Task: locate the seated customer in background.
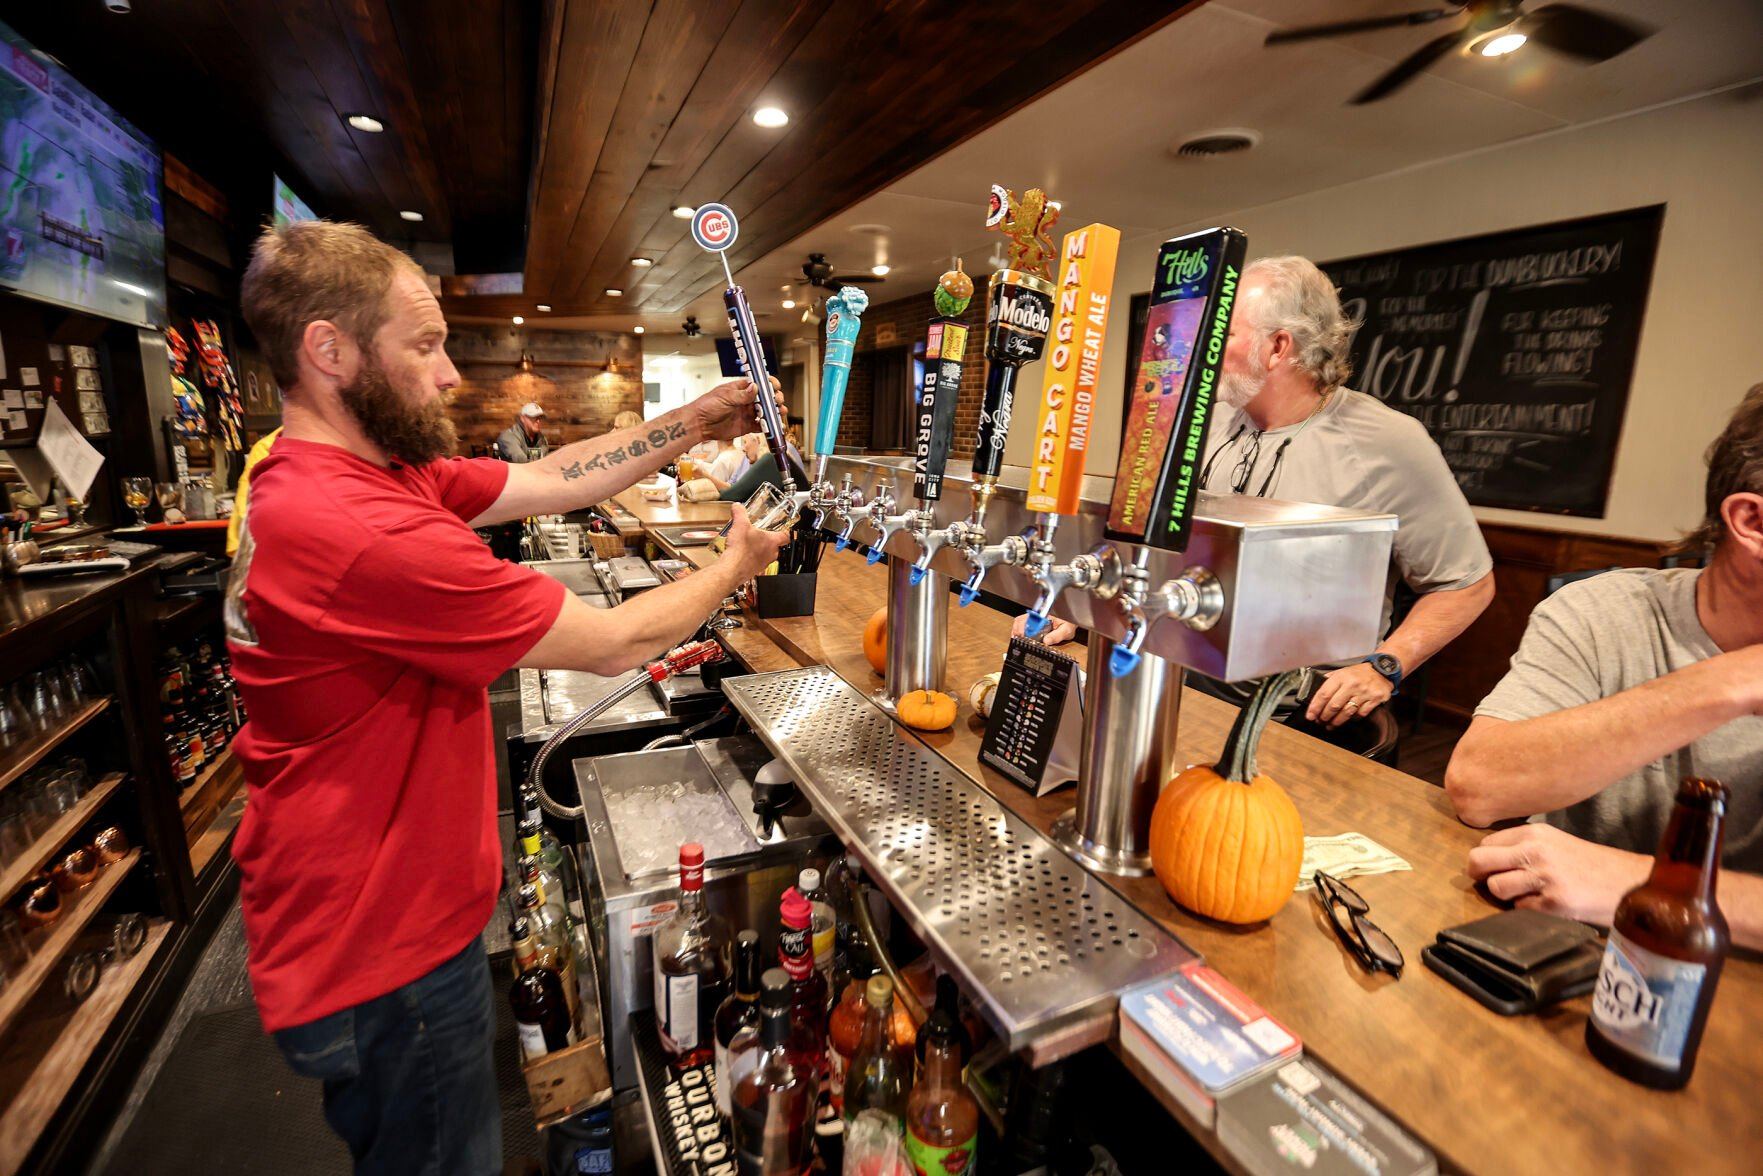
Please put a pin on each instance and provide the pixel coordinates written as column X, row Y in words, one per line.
column 1624, row 684
column 1287, row 426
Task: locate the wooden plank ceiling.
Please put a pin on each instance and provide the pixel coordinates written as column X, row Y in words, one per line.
column 645, row 107
column 561, row 133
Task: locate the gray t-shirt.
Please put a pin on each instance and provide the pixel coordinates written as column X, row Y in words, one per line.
column 1611, row 633
column 1360, row 454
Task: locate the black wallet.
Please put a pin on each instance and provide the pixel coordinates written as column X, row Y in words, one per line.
column 1517, row 961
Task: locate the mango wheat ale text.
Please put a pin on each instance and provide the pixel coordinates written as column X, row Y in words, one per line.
column 1667, row 944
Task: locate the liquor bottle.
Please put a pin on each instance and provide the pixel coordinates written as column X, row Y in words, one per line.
column 550, row 941
column 944, row 1024
column 823, row 925
column 808, row 986
column 774, row 1101
column 549, row 886
column 738, row 1017
column 541, row 1013
column 531, row 837
column 876, row 1079
column 845, row 1026
column 1667, row 944
column 691, row 968
column 942, row 1117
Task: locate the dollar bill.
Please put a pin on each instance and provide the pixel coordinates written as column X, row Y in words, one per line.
column 1346, row 855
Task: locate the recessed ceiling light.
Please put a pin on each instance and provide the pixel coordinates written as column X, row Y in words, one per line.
column 412, row 217
column 1502, row 44
column 642, row 262
column 789, row 304
column 638, row 329
column 880, row 271
column 683, row 211
column 545, row 307
column 518, row 320
column 770, row 116
column 366, row 122
column 614, row 292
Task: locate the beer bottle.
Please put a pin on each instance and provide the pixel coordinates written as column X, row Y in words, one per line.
column 1667, row 944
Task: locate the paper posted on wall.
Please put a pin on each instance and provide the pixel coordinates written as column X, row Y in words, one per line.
column 73, row 458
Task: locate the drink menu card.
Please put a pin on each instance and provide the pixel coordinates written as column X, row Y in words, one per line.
column 1028, row 712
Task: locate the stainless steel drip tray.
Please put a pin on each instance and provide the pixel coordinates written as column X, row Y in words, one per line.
column 1038, row 941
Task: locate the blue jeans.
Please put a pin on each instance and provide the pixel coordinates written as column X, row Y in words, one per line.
column 410, row 1077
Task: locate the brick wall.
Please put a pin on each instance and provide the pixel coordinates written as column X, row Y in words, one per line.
column 579, row 401
column 909, row 317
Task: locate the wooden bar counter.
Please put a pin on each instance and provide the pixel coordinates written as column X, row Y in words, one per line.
column 1486, row 1093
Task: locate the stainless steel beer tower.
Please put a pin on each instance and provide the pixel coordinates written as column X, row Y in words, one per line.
column 918, row 629
column 1128, row 755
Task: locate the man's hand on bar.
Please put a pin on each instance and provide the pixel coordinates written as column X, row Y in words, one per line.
column 1541, row 868
column 727, row 411
column 1057, row 632
column 1351, row 692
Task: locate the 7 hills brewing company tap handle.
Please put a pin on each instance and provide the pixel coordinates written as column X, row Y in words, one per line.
column 1175, row 381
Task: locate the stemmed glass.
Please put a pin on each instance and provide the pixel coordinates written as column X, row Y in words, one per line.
column 136, row 494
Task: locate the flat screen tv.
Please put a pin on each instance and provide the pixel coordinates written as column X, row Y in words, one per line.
column 730, row 359
column 82, row 222
column 289, row 207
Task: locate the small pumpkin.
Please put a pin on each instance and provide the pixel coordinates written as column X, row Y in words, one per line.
column 927, row 710
column 875, row 641
column 1226, row 841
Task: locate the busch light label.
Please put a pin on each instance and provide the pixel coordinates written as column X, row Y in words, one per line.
column 1645, row 1003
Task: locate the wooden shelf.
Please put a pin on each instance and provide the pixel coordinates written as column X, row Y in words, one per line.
column 29, row 754
column 70, row 1044
column 219, row 831
column 214, row 786
column 45, row 847
column 50, row 944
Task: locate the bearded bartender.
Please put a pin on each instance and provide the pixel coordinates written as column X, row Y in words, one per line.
column 365, row 620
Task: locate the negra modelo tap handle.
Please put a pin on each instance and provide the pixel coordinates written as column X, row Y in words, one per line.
column 1175, row 382
column 945, row 354
column 1019, row 310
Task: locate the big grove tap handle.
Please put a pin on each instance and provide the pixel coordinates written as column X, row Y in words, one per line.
column 844, row 316
column 945, row 354
column 1084, row 282
column 1174, row 384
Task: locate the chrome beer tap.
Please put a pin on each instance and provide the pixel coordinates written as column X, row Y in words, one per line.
column 1098, row 570
column 881, row 517
column 1195, row 598
column 921, row 525
column 845, row 505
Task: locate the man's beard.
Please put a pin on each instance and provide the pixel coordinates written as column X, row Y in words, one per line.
column 1237, row 389
column 411, row 432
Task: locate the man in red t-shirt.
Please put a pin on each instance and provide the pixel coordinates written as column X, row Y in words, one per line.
column 365, row 620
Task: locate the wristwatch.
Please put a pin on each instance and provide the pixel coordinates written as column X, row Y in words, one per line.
column 1387, row 665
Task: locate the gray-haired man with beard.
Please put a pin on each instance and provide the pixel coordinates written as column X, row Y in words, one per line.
column 1288, row 427
column 365, row 620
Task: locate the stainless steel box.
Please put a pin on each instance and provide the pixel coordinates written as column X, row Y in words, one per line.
column 1303, row 584
column 623, row 911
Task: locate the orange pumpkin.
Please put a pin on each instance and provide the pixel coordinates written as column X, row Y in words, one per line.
column 875, row 641
column 1226, row 841
column 928, row 710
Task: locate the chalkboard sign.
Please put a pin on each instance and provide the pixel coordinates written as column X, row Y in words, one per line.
column 1028, row 711
column 1514, row 349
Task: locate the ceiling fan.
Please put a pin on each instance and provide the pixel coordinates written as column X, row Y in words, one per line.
column 1494, row 28
column 818, row 271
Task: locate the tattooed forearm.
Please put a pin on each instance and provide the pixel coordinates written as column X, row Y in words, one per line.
column 658, row 438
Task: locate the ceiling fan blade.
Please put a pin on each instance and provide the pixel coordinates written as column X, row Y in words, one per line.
column 1582, row 33
column 853, row 280
column 1407, row 69
column 1341, row 28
